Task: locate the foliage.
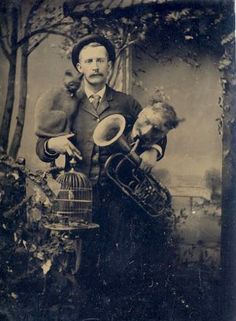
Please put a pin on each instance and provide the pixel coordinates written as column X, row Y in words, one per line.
column 134, row 28
column 39, row 279
column 39, row 19
column 28, row 251
column 35, row 261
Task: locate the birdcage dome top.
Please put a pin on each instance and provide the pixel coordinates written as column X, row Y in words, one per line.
column 74, row 180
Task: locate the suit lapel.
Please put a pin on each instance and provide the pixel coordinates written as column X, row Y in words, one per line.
column 85, row 104
column 102, row 106
column 105, row 103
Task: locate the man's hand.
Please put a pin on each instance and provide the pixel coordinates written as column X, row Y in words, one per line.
column 149, row 158
column 62, row 145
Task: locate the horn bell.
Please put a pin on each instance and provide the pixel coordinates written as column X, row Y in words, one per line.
column 110, row 130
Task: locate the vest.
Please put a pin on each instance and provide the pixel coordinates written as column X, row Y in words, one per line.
column 86, row 120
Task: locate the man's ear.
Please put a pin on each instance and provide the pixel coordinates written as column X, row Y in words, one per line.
column 78, row 67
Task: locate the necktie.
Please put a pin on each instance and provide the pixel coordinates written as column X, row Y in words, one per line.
column 95, row 101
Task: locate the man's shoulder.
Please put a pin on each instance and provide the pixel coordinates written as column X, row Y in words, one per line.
column 119, row 94
column 126, row 103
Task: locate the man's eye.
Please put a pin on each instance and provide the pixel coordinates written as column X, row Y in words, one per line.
column 102, row 60
column 88, row 61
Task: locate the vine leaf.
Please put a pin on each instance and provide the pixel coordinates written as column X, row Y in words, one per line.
column 46, row 266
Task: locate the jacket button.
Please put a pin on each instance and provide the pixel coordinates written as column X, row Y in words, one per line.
column 98, row 120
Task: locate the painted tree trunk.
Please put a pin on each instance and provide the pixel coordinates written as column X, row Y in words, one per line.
column 16, row 140
column 10, row 98
column 7, row 115
column 228, row 239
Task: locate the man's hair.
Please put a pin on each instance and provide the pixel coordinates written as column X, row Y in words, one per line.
column 93, row 44
column 168, row 114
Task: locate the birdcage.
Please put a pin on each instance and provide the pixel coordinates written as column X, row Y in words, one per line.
column 72, row 208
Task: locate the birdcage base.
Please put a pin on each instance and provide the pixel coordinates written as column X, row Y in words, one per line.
column 72, row 227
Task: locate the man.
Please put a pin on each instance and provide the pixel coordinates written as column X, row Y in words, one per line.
column 122, row 230
column 93, row 57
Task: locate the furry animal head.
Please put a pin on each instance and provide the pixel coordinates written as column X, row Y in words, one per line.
column 156, row 119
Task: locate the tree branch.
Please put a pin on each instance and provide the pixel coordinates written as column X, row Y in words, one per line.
column 37, row 44
column 39, row 177
column 43, row 30
column 147, row 53
column 34, row 8
column 4, row 47
column 17, row 207
column 6, row 53
column 7, row 29
column 59, row 33
column 59, row 23
column 126, row 46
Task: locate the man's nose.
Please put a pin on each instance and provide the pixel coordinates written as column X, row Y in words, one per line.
column 95, row 64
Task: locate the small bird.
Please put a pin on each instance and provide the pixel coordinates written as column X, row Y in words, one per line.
column 154, row 122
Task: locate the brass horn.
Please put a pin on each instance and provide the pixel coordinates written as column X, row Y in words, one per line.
column 123, row 168
column 110, row 131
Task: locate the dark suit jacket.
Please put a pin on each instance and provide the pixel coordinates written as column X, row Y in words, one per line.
column 84, row 121
column 119, row 218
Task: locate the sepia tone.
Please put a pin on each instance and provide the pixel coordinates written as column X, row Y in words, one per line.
column 181, row 52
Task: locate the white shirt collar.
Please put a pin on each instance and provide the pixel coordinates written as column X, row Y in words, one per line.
column 89, row 93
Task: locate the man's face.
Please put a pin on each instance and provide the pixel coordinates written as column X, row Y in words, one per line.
column 94, row 65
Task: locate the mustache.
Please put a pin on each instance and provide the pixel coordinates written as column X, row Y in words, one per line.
column 96, row 74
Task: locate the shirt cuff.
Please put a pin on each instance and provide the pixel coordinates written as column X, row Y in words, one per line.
column 158, row 149
column 46, row 151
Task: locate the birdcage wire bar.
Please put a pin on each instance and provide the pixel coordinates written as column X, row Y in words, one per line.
column 72, row 207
